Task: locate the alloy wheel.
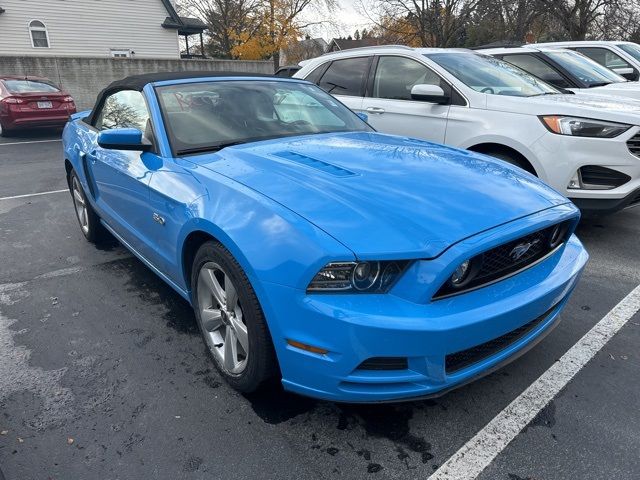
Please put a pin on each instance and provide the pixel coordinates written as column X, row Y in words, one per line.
column 221, row 318
column 80, row 205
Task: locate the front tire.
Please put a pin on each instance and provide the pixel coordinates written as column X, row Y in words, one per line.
column 513, row 160
column 231, row 319
column 88, row 219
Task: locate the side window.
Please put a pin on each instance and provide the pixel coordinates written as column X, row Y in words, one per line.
column 539, row 68
column 346, row 77
column 124, row 109
column 604, row 57
column 395, row 76
column 316, row 74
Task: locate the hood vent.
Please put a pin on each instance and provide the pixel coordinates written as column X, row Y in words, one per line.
column 314, row 163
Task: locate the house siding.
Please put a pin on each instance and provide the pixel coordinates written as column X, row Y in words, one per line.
column 89, row 28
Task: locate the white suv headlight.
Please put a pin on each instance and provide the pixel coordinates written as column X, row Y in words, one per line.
column 583, row 127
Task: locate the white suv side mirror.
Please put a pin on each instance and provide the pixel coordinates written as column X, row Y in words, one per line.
column 429, row 93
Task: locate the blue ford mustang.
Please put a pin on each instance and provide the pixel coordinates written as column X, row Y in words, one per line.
column 357, row 266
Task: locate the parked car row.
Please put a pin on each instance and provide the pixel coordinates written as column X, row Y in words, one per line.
column 27, row 102
column 586, row 146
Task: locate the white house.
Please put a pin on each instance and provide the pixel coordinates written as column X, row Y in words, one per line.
column 93, row 28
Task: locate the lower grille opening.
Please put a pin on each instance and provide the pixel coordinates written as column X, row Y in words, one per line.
column 465, row 358
column 384, row 363
column 597, row 177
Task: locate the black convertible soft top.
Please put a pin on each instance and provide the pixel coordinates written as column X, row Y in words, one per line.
column 138, row 82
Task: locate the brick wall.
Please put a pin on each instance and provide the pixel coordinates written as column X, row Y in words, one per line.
column 85, row 77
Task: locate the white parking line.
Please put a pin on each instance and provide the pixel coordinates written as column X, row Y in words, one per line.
column 468, row 462
column 31, row 141
column 33, row 194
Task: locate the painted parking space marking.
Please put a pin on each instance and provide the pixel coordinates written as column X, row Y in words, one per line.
column 29, row 142
column 473, row 457
column 34, row 194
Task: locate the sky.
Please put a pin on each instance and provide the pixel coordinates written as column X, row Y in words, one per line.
column 345, row 19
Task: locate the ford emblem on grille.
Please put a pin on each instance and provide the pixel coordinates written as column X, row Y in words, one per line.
column 522, row 248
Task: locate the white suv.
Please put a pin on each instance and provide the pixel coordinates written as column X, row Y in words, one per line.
column 621, row 57
column 567, row 69
column 587, row 147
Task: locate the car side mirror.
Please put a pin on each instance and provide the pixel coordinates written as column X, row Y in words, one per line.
column 363, row 116
column 123, row 139
column 429, row 93
column 626, row 72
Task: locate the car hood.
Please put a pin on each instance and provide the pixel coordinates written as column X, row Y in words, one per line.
column 622, row 89
column 615, row 109
column 385, row 196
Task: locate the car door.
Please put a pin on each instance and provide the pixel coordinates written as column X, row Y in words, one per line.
column 119, row 179
column 345, row 79
column 608, row 58
column 389, row 104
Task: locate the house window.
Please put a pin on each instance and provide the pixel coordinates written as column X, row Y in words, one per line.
column 39, row 34
column 120, row 53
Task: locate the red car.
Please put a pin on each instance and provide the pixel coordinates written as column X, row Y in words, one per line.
column 32, row 102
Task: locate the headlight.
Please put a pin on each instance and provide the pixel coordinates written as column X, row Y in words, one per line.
column 583, row 127
column 365, row 277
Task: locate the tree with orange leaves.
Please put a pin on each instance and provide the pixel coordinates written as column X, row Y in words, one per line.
column 278, row 25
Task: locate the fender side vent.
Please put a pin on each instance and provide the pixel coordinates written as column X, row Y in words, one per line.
column 314, row 163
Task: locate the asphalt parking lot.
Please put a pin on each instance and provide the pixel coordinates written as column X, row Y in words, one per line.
column 103, row 374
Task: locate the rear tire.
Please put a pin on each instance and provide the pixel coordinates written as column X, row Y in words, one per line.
column 4, row 132
column 231, row 319
column 88, row 219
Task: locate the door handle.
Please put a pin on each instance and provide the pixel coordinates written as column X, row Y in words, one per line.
column 375, row 110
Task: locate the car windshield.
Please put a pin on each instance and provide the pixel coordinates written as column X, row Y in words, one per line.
column 588, row 71
column 489, row 75
column 30, row 86
column 207, row 116
column 632, row 49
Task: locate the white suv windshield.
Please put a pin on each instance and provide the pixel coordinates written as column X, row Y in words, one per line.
column 590, row 72
column 632, row 49
column 490, row 75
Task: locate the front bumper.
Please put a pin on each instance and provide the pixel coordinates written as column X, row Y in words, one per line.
column 355, row 328
column 607, row 206
column 559, row 157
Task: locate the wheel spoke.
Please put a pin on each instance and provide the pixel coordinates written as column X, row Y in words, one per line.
column 214, row 286
column 230, row 293
column 211, row 319
column 240, row 331
column 83, row 217
column 78, row 197
column 230, row 350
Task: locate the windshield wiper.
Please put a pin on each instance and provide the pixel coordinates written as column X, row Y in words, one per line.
column 546, row 93
column 209, row 148
column 599, row 84
column 335, row 85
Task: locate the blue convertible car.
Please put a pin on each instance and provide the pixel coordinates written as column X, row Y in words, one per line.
column 356, row 266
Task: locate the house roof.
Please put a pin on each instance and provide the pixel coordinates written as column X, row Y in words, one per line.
column 345, row 43
column 184, row 25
